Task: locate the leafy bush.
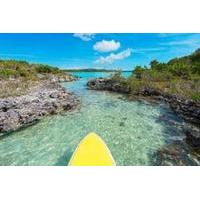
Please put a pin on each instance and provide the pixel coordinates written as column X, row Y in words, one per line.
column 179, row 76
column 120, row 80
column 138, row 72
column 6, row 73
column 196, row 96
column 155, row 65
column 134, row 84
column 22, row 69
column 46, row 69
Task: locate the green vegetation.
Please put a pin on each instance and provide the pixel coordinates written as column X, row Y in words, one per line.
column 16, row 69
column 17, row 77
column 180, row 76
column 117, row 77
column 40, row 68
column 22, row 69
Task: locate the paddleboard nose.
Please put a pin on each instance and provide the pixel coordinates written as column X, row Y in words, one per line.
column 92, row 151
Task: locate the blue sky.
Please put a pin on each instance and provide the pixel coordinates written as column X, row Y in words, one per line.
column 111, row 50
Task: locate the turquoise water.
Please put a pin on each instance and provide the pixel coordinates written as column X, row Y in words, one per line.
column 88, row 75
column 133, row 130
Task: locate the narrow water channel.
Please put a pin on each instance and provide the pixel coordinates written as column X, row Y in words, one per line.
column 133, row 130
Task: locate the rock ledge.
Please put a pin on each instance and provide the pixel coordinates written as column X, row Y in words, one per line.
column 44, row 99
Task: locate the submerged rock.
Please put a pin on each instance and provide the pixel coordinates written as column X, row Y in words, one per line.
column 193, row 137
column 176, row 154
column 121, row 124
column 44, row 99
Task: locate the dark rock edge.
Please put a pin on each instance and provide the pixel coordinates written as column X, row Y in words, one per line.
column 187, row 109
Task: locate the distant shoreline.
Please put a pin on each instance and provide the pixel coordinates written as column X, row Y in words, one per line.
column 94, row 70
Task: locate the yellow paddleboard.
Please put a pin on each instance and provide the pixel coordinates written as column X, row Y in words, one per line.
column 92, row 151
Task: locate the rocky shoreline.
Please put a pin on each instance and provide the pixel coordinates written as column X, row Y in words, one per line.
column 46, row 98
column 189, row 110
column 65, row 77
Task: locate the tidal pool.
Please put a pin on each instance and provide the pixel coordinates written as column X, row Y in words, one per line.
column 133, row 130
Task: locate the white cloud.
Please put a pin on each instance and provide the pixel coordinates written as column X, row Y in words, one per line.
column 106, row 46
column 187, row 41
column 113, row 57
column 84, row 36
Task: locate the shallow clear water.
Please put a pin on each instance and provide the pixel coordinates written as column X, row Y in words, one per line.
column 133, row 130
